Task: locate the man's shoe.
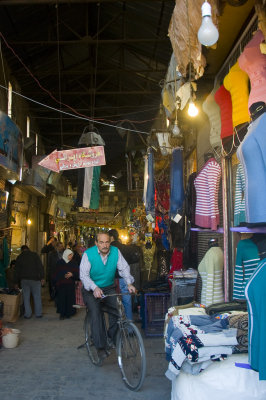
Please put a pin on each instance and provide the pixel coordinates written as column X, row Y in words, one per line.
column 61, row 317
column 38, row 316
column 110, row 344
column 102, row 354
column 27, row 317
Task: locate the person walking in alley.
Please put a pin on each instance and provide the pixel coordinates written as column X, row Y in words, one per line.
column 66, row 272
column 29, row 274
column 53, row 256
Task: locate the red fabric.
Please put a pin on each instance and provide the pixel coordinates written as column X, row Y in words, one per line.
column 176, row 260
column 223, row 99
column 176, row 264
column 79, row 297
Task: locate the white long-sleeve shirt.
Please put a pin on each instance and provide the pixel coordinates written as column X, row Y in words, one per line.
column 85, row 267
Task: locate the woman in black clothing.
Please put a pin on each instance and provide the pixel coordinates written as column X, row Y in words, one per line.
column 66, row 273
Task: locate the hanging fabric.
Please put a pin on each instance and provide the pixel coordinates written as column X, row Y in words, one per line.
column 89, row 187
column 149, row 187
column 212, row 110
column 176, row 182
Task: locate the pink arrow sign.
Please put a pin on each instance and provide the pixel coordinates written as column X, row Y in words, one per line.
column 60, row 160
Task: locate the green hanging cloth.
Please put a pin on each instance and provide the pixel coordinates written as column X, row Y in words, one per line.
column 95, row 189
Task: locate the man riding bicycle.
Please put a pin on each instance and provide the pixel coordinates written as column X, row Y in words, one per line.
column 97, row 273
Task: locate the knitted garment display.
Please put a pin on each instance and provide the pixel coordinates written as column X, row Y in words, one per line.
column 223, row 99
column 236, row 82
column 240, row 204
column 256, row 299
column 211, row 272
column 207, row 187
column 176, row 182
column 252, row 155
column 253, row 62
column 212, row 110
column 247, row 259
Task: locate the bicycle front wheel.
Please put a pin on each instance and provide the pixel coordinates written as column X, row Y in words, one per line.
column 131, row 356
column 92, row 351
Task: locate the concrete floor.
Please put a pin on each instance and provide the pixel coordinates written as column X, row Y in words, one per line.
column 46, row 365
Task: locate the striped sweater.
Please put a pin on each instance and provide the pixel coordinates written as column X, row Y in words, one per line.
column 247, row 259
column 207, row 187
column 239, row 210
column 211, row 273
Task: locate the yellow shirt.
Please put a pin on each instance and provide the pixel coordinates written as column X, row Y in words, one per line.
column 236, row 82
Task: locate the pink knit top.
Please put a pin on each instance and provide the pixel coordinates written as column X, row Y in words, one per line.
column 207, row 187
column 253, row 62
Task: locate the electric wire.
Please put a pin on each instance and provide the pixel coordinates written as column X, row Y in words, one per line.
column 81, row 116
column 59, row 75
column 85, row 118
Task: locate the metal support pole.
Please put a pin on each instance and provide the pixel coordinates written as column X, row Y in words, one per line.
column 225, row 225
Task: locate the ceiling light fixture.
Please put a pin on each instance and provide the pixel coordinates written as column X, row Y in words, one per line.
column 192, row 109
column 208, row 33
column 176, row 129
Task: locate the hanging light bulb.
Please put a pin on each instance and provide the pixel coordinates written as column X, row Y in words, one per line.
column 208, row 33
column 176, row 129
column 192, row 109
column 164, row 149
column 29, row 221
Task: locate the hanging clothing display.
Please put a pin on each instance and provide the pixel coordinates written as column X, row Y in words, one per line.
column 88, row 195
column 207, row 187
column 256, row 300
column 212, row 110
column 247, row 259
column 176, row 183
column 252, row 155
column 4, row 262
column 149, row 186
column 236, row 82
column 253, row 62
column 223, row 99
column 240, row 204
column 211, row 273
column 190, row 252
column 190, row 199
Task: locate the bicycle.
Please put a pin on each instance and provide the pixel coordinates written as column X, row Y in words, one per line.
column 129, row 347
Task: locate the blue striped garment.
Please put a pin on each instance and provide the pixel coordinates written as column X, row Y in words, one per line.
column 247, row 259
column 239, row 210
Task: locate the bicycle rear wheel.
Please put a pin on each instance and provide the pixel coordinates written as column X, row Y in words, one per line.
column 131, row 356
column 92, row 351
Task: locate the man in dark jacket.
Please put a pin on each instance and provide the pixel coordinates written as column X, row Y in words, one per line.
column 29, row 272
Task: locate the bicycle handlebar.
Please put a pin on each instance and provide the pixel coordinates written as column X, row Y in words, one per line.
column 119, row 294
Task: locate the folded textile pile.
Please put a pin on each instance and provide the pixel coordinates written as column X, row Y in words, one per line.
column 193, row 342
column 240, row 322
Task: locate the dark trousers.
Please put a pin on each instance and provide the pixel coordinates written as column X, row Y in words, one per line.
column 96, row 316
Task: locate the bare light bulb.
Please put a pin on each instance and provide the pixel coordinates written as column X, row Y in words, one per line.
column 192, row 110
column 208, row 33
column 29, row 221
column 176, row 129
column 164, row 149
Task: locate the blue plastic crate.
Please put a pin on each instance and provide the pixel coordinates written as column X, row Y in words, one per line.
column 156, row 306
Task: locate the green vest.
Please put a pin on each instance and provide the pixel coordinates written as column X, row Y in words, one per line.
column 102, row 275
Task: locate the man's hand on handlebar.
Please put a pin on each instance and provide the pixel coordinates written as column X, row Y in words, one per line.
column 131, row 289
column 98, row 293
